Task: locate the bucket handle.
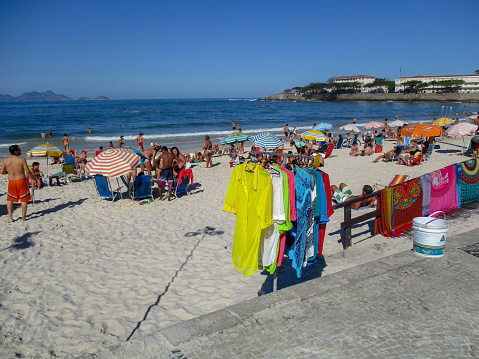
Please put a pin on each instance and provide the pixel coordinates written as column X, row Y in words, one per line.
column 432, row 214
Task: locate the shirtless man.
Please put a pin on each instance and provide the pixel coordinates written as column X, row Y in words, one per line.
column 286, row 132
column 179, row 160
column 16, row 168
column 233, row 124
column 343, row 194
column 43, row 134
column 66, row 142
column 165, row 172
column 150, row 153
column 208, row 151
column 140, row 140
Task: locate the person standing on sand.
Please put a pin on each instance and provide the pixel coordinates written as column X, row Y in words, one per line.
column 66, row 142
column 165, row 172
column 286, row 132
column 43, row 134
column 18, row 190
column 208, row 151
column 140, row 140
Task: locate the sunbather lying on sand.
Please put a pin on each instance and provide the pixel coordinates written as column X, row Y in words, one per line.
column 343, row 194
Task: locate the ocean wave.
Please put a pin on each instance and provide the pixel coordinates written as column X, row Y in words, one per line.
column 243, row 99
column 9, row 144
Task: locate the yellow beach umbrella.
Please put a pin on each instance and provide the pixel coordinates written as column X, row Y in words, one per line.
column 443, row 121
column 45, row 150
column 314, row 135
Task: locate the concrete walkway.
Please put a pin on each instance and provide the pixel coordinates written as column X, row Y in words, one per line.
column 401, row 306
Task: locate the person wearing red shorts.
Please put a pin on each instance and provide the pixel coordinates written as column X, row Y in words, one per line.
column 140, row 140
column 18, row 190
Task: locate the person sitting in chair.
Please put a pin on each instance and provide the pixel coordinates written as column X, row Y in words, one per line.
column 390, row 154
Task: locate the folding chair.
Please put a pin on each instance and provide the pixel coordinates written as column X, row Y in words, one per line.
column 70, row 174
column 142, row 187
column 183, row 181
column 104, row 188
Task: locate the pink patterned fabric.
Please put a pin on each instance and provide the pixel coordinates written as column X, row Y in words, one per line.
column 443, row 190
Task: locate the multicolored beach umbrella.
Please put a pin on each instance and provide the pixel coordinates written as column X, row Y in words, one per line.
column 113, row 162
column 322, row 126
column 234, row 138
column 314, row 135
column 45, row 150
column 267, row 140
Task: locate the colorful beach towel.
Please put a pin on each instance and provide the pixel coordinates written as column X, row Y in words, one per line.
column 383, row 222
column 407, row 204
column 469, row 181
column 426, row 194
column 443, row 189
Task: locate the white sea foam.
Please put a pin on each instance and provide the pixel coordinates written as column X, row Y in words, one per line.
column 9, row 144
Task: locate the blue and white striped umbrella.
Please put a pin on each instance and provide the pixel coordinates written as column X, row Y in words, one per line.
column 322, row 126
column 267, row 140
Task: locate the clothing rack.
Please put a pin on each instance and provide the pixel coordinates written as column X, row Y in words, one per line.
column 284, row 155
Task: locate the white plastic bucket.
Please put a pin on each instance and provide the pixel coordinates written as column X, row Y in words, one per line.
column 430, row 235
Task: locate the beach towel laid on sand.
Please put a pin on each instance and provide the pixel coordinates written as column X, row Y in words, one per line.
column 407, row 204
column 469, row 181
column 443, row 189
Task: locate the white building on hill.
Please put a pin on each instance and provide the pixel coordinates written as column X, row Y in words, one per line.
column 471, row 83
column 362, row 79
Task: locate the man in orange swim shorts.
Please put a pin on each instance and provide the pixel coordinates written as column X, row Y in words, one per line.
column 18, row 190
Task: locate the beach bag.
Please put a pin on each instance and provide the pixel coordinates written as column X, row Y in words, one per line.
column 378, row 149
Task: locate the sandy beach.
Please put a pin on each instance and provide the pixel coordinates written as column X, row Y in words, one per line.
column 83, row 273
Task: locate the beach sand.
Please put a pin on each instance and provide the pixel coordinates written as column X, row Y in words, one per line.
column 82, row 274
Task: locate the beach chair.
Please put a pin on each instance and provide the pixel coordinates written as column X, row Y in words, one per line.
column 128, row 185
column 340, row 142
column 104, row 189
column 417, row 160
column 142, row 187
column 70, row 173
column 184, row 180
column 395, row 158
column 69, row 160
column 30, row 184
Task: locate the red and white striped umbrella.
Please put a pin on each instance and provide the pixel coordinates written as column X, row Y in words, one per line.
column 113, row 163
column 463, row 128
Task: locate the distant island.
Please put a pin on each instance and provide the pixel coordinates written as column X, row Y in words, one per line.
column 45, row 96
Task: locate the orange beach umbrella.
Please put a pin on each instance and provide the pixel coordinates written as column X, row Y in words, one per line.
column 421, row 130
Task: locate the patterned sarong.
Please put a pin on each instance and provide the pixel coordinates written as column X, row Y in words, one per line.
column 383, row 222
column 443, row 189
column 407, row 204
column 469, row 181
column 426, row 194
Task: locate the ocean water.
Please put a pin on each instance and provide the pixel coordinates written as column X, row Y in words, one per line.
column 184, row 123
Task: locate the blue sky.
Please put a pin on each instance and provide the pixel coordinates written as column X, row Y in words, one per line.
column 201, row 49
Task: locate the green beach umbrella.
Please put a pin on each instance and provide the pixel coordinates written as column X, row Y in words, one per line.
column 235, row 137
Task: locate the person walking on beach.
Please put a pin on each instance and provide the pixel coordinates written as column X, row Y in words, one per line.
column 120, row 142
column 286, row 132
column 208, row 151
column 66, row 142
column 18, row 190
column 140, row 140
column 43, row 134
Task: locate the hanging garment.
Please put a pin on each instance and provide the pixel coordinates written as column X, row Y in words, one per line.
column 292, row 193
column 469, row 181
column 407, row 204
column 327, row 190
column 310, row 233
column 426, row 194
column 270, row 236
column 303, row 207
column 458, row 183
column 443, row 190
column 385, row 204
column 249, row 196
